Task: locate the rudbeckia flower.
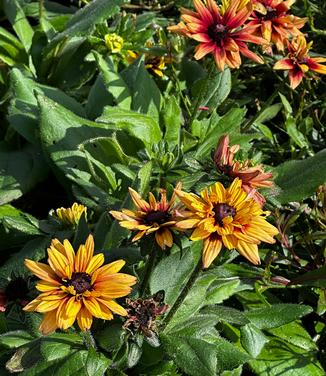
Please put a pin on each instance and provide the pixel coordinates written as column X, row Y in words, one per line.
column 252, row 177
column 226, row 216
column 298, row 62
column 114, row 42
column 276, row 24
column 220, row 31
column 77, row 286
column 71, row 216
column 157, row 217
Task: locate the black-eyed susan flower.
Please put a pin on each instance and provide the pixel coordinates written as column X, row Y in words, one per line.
column 71, row 216
column 298, row 62
column 157, row 217
column 77, row 286
column 154, row 64
column 226, row 216
column 275, row 23
column 114, row 42
column 220, row 30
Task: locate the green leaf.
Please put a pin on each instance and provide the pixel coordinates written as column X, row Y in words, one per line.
column 315, row 278
column 57, row 346
column 227, row 314
column 137, row 125
column 194, row 326
column 193, row 355
column 280, row 358
column 171, row 114
column 20, row 170
column 252, row 339
column 221, row 290
column 13, row 340
column 312, row 173
column 269, row 113
column 111, row 337
column 20, row 24
column 144, row 175
column 96, row 363
column 114, row 82
column 179, row 266
column 73, row 365
column 146, row 96
column 83, row 21
column 296, row 136
column 276, row 315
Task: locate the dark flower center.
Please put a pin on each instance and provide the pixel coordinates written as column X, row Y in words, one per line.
column 217, row 33
column 157, row 216
column 221, row 211
column 271, row 13
column 81, row 282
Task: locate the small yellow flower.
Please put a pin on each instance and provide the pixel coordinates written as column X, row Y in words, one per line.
column 71, row 216
column 114, row 42
column 154, row 64
column 226, row 216
column 77, row 286
column 157, row 217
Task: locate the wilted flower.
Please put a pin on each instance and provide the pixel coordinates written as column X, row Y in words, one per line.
column 252, row 177
column 154, row 64
column 77, row 286
column 298, row 62
column 220, row 31
column 114, row 42
column 142, row 314
column 226, row 216
column 276, row 24
column 71, row 216
column 157, row 217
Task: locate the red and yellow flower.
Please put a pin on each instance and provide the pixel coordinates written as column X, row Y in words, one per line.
column 276, row 25
column 298, row 62
column 226, row 216
column 77, row 286
column 252, row 177
column 154, row 216
column 220, row 31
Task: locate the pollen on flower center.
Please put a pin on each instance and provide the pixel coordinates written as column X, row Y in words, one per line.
column 156, row 216
column 81, row 282
column 221, row 211
column 217, row 33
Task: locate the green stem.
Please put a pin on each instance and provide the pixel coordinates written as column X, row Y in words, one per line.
column 202, row 93
column 89, row 340
column 183, row 294
column 263, row 108
column 148, row 269
column 41, row 8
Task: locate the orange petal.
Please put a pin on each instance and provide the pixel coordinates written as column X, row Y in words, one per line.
column 84, row 319
column 48, row 324
column 42, row 271
column 212, row 247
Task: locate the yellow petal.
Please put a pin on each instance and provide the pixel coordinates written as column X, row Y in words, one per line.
column 84, row 319
column 106, row 270
column 42, row 271
column 58, row 262
column 48, row 324
column 95, row 263
column 212, row 247
column 114, row 307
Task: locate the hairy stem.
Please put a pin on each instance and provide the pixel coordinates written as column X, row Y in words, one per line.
column 148, row 269
column 183, row 294
column 41, row 8
column 89, row 340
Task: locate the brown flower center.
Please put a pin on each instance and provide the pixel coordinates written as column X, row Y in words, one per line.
column 271, row 13
column 81, row 282
column 217, row 33
column 221, row 211
column 157, row 216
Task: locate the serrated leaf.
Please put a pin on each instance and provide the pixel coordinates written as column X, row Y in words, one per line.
column 276, row 315
column 252, row 339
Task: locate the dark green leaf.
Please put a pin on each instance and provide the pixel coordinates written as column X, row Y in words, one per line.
column 313, row 278
column 252, row 339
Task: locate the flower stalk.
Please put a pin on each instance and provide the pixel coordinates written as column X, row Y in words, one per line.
column 183, row 294
column 148, row 270
column 89, row 340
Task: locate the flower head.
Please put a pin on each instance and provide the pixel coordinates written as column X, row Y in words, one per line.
column 114, row 42
column 77, row 286
column 298, row 62
column 252, row 177
column 220, row 31
column 275, row 23
column 227, row 216
column 154, row 64
column 142, row 314
column 71, row 216
column 150, row 217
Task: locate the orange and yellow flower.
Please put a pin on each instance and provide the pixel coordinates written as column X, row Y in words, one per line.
column 71, row 216
column 275, row 23
column 298, row 62
column 220, row 31
column 157, row 217
column 226, row 216
column 252, row 177
column 77, row 286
